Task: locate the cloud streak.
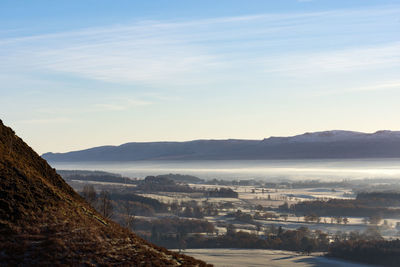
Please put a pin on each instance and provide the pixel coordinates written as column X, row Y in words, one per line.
column 203, row 52
column 342, row 61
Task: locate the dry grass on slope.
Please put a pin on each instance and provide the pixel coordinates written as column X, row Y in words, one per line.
column 43, row 221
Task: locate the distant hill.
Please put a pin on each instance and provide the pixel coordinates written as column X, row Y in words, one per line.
column 98, row 176
column 318, row 145
column 44, row 222
column 180, row 178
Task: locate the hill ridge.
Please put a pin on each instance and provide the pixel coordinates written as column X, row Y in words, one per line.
column 43, row 221
column 325, row 144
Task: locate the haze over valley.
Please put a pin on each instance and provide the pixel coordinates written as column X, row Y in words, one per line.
column 328, row 155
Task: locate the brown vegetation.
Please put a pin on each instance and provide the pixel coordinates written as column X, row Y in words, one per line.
column 44, row 221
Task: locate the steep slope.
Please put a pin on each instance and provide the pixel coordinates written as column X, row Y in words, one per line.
column 328, row 144
column 44, row 221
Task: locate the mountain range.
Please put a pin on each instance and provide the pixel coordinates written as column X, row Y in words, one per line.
column 44, row 222
column 317, row 145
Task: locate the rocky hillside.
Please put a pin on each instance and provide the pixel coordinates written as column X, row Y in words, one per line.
column 44, row 221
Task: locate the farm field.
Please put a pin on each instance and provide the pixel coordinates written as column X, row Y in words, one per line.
column 251, row 222
column 258, row 258
column 249, row 197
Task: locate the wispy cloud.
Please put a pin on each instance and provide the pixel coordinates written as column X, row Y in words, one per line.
column 200, row 52
column 342, row 61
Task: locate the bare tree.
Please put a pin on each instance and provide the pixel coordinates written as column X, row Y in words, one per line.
column 104, row 204
column 230, row 230
column 128, row 214
column 89, row 194
column 258, row 227
column 376, row 219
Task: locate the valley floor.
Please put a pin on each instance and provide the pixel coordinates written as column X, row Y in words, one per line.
column 265, row 257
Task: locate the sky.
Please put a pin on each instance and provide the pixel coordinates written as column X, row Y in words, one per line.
column 77, row 74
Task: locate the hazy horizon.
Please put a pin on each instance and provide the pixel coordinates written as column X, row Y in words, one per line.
column 265, row 170
column 201, row 139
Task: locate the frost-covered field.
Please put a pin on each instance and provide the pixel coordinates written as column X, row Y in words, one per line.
column 264, row 257
column 251, row 196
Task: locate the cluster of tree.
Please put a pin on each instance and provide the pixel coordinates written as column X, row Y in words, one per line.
column 301, row 239
column 247, row 218
column 372, row 233
column 241, row 216
column 180, row 178
column 210, row 209
column 156, row 205
column 101, row 202
column 285, row 207
column 267, row 216
column 162, row 184
column 376, row 185
column 192, row 210
column 71, row 173
column 379, row 252
column 176, row 183
column 131, row 208
column 288, row 184
column 123, row 206
column 379, row 199
column 97, row 176
column 174, row 225
column 310, row 218
column 340, row 207
column 315, row 218
column 222, row 192
column 319, row 184
column 171, row 232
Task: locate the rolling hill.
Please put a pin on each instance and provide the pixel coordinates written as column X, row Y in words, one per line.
column 318, row 145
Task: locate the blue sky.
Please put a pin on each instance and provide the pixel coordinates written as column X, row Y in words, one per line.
column 77, row 74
